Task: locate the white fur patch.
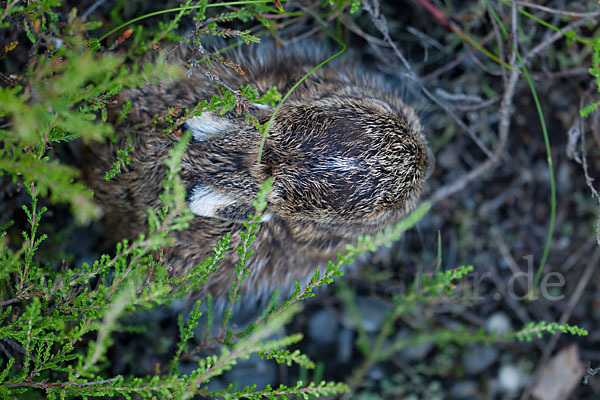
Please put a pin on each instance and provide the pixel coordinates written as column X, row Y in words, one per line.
column 261, row 106
column 204, row 202
column 206, row 124
column 266, row 217
column 338, row 163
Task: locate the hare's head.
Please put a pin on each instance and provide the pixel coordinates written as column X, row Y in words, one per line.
column 349, row 161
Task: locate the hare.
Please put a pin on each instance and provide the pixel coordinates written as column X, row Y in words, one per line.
column 346, row 156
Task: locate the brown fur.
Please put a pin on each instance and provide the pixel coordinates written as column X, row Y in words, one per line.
column 346, row 158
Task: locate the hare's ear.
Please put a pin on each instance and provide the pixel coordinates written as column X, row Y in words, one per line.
column 206, row 125
column 205, row 202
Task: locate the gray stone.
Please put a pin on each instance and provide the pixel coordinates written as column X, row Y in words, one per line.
column 254, row 371
column 414, row 353
column 510, row 379
column 323, row 327
column 377, row 372
column 215, row 384
column 345, row 345
column 463, row 390
column 498, row 323
column 373, row 312
column 479, row 358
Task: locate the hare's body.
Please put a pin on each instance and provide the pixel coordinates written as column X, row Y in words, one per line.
column 346, row 158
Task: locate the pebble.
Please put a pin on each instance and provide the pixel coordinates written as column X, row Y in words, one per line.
column 345, row 345
column 479, row 358
column 499, row 323
column 323, row 327
column 373, row 312
column 463, row 390
column 254, row 371
column 510, row 379
column 215, row 384
column 377, row 372
column 414, row 353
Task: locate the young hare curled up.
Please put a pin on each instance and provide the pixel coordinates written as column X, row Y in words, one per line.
column 346, row 157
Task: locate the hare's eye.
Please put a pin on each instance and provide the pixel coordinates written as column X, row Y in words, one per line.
column 207, row 124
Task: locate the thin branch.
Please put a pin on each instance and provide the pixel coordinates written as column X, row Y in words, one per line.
column 90, row 10
column 555, row 11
